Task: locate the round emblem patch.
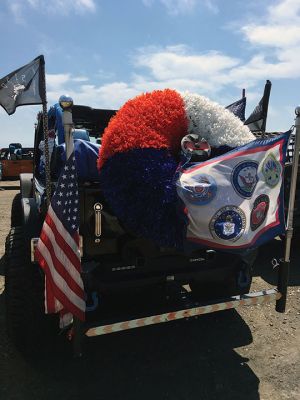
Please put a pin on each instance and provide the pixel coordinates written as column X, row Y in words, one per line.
column 244, row 178
column 259, row 211
column 228, row 223
column 271, row 170
column 200, row 190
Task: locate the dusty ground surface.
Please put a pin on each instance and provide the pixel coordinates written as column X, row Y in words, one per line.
column 252, row 353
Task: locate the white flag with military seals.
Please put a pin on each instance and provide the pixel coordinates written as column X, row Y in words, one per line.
column 235, row 201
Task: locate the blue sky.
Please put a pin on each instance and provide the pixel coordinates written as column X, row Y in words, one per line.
column 103, row 52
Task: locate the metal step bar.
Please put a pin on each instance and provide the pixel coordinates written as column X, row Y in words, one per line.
column 249, row 299
column 79, row 330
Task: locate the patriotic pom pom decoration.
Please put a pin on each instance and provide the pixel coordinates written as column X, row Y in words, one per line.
column 140, row 154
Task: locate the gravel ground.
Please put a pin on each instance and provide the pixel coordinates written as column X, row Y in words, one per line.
column 252, row 353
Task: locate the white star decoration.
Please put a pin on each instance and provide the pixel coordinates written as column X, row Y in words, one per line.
column 65, row 201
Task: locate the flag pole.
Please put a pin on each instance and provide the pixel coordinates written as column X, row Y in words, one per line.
column 66, row 103
column 46, row 132
column 284, row 266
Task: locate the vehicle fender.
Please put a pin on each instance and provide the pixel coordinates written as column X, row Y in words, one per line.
column 26, row 185
column 31, row 218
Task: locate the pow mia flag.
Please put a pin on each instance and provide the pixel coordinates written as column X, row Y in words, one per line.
column 23, row 86
column 257, row 121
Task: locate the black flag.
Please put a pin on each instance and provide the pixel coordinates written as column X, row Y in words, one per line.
column 238, row 108
column 257, row 121
column 23, row 86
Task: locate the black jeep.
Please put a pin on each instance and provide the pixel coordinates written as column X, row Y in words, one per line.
column 122, row 274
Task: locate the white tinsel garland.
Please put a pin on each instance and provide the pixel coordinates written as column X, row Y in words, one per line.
column 214, row 123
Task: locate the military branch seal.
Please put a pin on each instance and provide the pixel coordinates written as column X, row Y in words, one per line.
column 201, row 190
column 244, row 178
column 259, row 211
column 228, row 223
column 271, row 169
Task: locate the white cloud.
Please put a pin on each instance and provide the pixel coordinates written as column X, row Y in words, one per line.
column 281, row 36
column 16, row 9
column 176, row 67
column 148, row 3
column 277, row 38
column 211, row 5
column 285, row 10
column 178, row 62
column 81, row 79
column 63, row 6
column 179, row 7
column 111, row 95
column 57, row 81
column 279, row 28
column 176, row 7
column 60, row 7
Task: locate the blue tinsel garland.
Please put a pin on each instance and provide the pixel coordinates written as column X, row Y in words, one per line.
column 139, row 187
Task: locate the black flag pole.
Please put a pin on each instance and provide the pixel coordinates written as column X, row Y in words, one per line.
column 284, row 265
column 46, row 131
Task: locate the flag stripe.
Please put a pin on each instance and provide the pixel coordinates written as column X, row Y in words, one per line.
column 59, row 283
column 63, row 268
column 72, row 243
column 61, row 297
column 62, row 253
column 51, row 304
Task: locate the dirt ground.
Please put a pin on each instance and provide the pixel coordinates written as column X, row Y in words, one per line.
column 249, row 354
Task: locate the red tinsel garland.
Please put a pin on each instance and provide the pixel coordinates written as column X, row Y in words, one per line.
column 152, row 120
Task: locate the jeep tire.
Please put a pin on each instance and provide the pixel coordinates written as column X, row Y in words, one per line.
column 26, row 185
column 16, row 211
column 24, row 289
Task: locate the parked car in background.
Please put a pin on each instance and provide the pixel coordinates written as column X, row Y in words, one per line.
column 15, row 160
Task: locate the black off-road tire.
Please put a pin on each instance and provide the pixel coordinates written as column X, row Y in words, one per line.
column 26, row 322
column 16, row 211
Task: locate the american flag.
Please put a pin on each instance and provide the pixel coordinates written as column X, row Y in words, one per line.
column 58, row 249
